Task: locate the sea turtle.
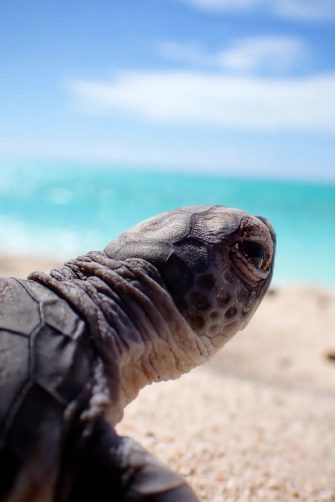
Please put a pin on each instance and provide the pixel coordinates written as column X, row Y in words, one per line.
column 77, row 345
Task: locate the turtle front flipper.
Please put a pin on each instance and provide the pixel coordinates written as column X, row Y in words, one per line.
column 147, row 479
column 112, row 468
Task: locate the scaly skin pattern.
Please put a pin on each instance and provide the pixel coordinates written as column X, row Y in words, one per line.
column 158, row 301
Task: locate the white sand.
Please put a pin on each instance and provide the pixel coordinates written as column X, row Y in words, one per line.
column 258, row 422
column 21, row 266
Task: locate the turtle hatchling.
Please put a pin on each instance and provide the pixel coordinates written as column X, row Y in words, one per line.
column 77, row 345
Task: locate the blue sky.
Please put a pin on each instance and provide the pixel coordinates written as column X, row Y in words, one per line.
column 241, row 87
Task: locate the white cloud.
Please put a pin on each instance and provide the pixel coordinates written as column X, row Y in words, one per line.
column 224, row 5
column 194, row 98
column 264, row 54
column 274, row 53
column 318, row 10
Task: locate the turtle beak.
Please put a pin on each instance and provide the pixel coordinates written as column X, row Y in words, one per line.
column 268, row 224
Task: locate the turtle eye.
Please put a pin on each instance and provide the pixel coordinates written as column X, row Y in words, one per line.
column 253, row 251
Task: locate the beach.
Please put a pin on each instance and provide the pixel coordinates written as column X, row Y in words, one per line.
column 114, row 113
column 257, row 422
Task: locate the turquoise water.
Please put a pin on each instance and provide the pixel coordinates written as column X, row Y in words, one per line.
column 65, row 210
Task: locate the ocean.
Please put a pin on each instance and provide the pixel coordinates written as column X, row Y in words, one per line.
column 62, row 210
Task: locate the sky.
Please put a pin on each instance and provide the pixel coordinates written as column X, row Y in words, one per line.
column 241, row 87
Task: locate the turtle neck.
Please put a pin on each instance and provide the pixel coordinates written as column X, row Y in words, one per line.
column 136, row 328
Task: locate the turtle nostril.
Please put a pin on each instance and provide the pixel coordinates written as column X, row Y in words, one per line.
column 254, row 252
column 264, row 220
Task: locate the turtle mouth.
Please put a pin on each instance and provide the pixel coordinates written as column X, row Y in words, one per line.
column 252, row 255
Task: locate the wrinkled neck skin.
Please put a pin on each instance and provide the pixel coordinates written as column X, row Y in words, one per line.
column 138, row 332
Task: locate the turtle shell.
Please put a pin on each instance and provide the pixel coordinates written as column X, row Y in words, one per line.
column 45, row 364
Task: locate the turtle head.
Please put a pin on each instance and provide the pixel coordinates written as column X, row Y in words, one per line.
column 216, row 263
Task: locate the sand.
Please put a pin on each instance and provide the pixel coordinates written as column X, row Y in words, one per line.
column 257, row 423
